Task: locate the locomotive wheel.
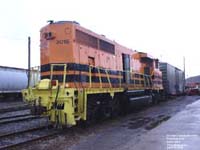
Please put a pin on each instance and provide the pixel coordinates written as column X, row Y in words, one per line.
column 33, row 110
column 154, row 100
column 115, row 106
column 90, row 110
column 99, row 107
column 124, row 104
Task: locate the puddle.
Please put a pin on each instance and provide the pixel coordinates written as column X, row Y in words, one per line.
column 156, row 122
column 134, row 124
column 197, row 98
column 147, row 123
column 160, row 116
column 135, row 118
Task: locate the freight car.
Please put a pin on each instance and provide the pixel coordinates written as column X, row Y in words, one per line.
column 173, row 79
column 12, row 81
column 85, row 76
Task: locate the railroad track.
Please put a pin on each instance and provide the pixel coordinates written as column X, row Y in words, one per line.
column 18, row 127
column 18, row 118
column 15, row 139
column 22, row 129
column 9, row 109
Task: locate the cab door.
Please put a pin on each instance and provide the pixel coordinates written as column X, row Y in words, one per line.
column 126, row 68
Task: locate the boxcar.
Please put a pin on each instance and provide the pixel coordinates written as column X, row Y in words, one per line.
column 173, row 79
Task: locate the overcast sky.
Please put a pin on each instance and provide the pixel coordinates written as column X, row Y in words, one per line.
column 167, row 29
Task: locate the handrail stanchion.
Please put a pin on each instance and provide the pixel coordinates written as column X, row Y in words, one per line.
column 120, row 79
column 64, row 76
column 144, row 78
column 99, row 77
column 51, row 73
column 148, row 80
column 90, row 76
column 64, row 72
column 108, row 78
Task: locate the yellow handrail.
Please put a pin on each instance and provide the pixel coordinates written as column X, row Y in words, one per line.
column 90, row 76
column 140, row 79
column 51, row 73
column 120, row 79
column 144, row 78
column 99, row 77
column 64, row 74
column 133, row 79
column 108, row 78
column 148, row 80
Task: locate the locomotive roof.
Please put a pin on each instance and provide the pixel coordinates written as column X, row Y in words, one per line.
column 88, row 31
column 62, row 22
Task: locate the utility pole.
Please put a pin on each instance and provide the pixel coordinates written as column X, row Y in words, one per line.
column 29, row 60
column 183, row 73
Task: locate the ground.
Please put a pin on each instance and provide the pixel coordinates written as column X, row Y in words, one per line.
column 164, row 126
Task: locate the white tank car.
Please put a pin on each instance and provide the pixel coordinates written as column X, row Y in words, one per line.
column 13, row 80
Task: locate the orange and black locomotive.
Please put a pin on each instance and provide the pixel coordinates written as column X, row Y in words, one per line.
column 85, row 76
